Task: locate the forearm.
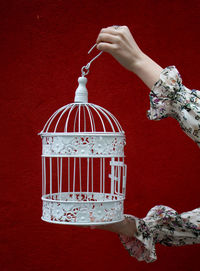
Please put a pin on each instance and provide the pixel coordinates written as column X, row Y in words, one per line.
column 147, row 70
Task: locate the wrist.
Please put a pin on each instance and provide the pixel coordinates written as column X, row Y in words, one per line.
column 128, row 228
column 139, row 62
column 147, row 70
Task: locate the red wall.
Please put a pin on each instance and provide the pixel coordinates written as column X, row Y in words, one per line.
column 44, row 44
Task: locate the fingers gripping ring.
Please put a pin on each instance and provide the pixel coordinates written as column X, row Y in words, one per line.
column 116, row 26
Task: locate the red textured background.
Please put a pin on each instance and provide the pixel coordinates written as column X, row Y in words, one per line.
column 44, row 44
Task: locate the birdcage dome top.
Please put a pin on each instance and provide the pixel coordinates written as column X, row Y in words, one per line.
column 82, row 118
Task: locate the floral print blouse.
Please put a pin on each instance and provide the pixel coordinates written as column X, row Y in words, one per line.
column 168, row 97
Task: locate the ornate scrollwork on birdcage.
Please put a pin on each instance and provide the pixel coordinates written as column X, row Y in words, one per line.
column 96, row 210
column 83, row 146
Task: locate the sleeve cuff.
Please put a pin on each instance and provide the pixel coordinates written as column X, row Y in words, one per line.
column 163, row 225
column 142, row 245
column 163, row 94
column 170, row 98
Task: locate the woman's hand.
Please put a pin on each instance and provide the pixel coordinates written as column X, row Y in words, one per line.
column 121, row 45
column 126, row 227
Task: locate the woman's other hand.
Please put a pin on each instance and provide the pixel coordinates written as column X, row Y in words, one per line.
column 126, row 227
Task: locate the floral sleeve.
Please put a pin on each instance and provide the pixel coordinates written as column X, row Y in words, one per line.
column 165, row 226
column 170, row 98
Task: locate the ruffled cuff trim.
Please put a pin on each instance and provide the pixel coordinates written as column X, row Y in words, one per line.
column 164, row 93
column 162, row 225
column 141, row 247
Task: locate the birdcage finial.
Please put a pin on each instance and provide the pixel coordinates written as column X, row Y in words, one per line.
column 81, row 94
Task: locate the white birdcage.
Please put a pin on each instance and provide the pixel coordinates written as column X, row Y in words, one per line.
column 83, row 170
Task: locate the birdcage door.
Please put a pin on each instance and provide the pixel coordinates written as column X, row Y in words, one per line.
column 118, row 176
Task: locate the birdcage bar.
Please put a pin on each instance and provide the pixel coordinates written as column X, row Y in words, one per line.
column 115, row 179
column 68, row 174
column 80, row 174
column 79, row 119
column 92, row 117
column 50, row 171
column 103, row 175
column 104, row 129
column 75, row 118
column 67, row 120
column 74, row 176
column 88, row 173
column 84, row 118
column 60, row 176
column 42, row 176
column 112, row 177
column 119, row 177
column 92, row 174
column 44, row 168
column 100, row 175
column 91, row 120
column 124, row 180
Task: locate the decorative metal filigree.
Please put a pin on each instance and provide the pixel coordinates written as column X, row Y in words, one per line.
column 83, row 146
column 70, row 208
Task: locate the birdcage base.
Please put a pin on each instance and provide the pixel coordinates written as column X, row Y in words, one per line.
column 83, row 208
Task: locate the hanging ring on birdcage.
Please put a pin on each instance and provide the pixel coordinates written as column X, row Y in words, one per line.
column 85, row 69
